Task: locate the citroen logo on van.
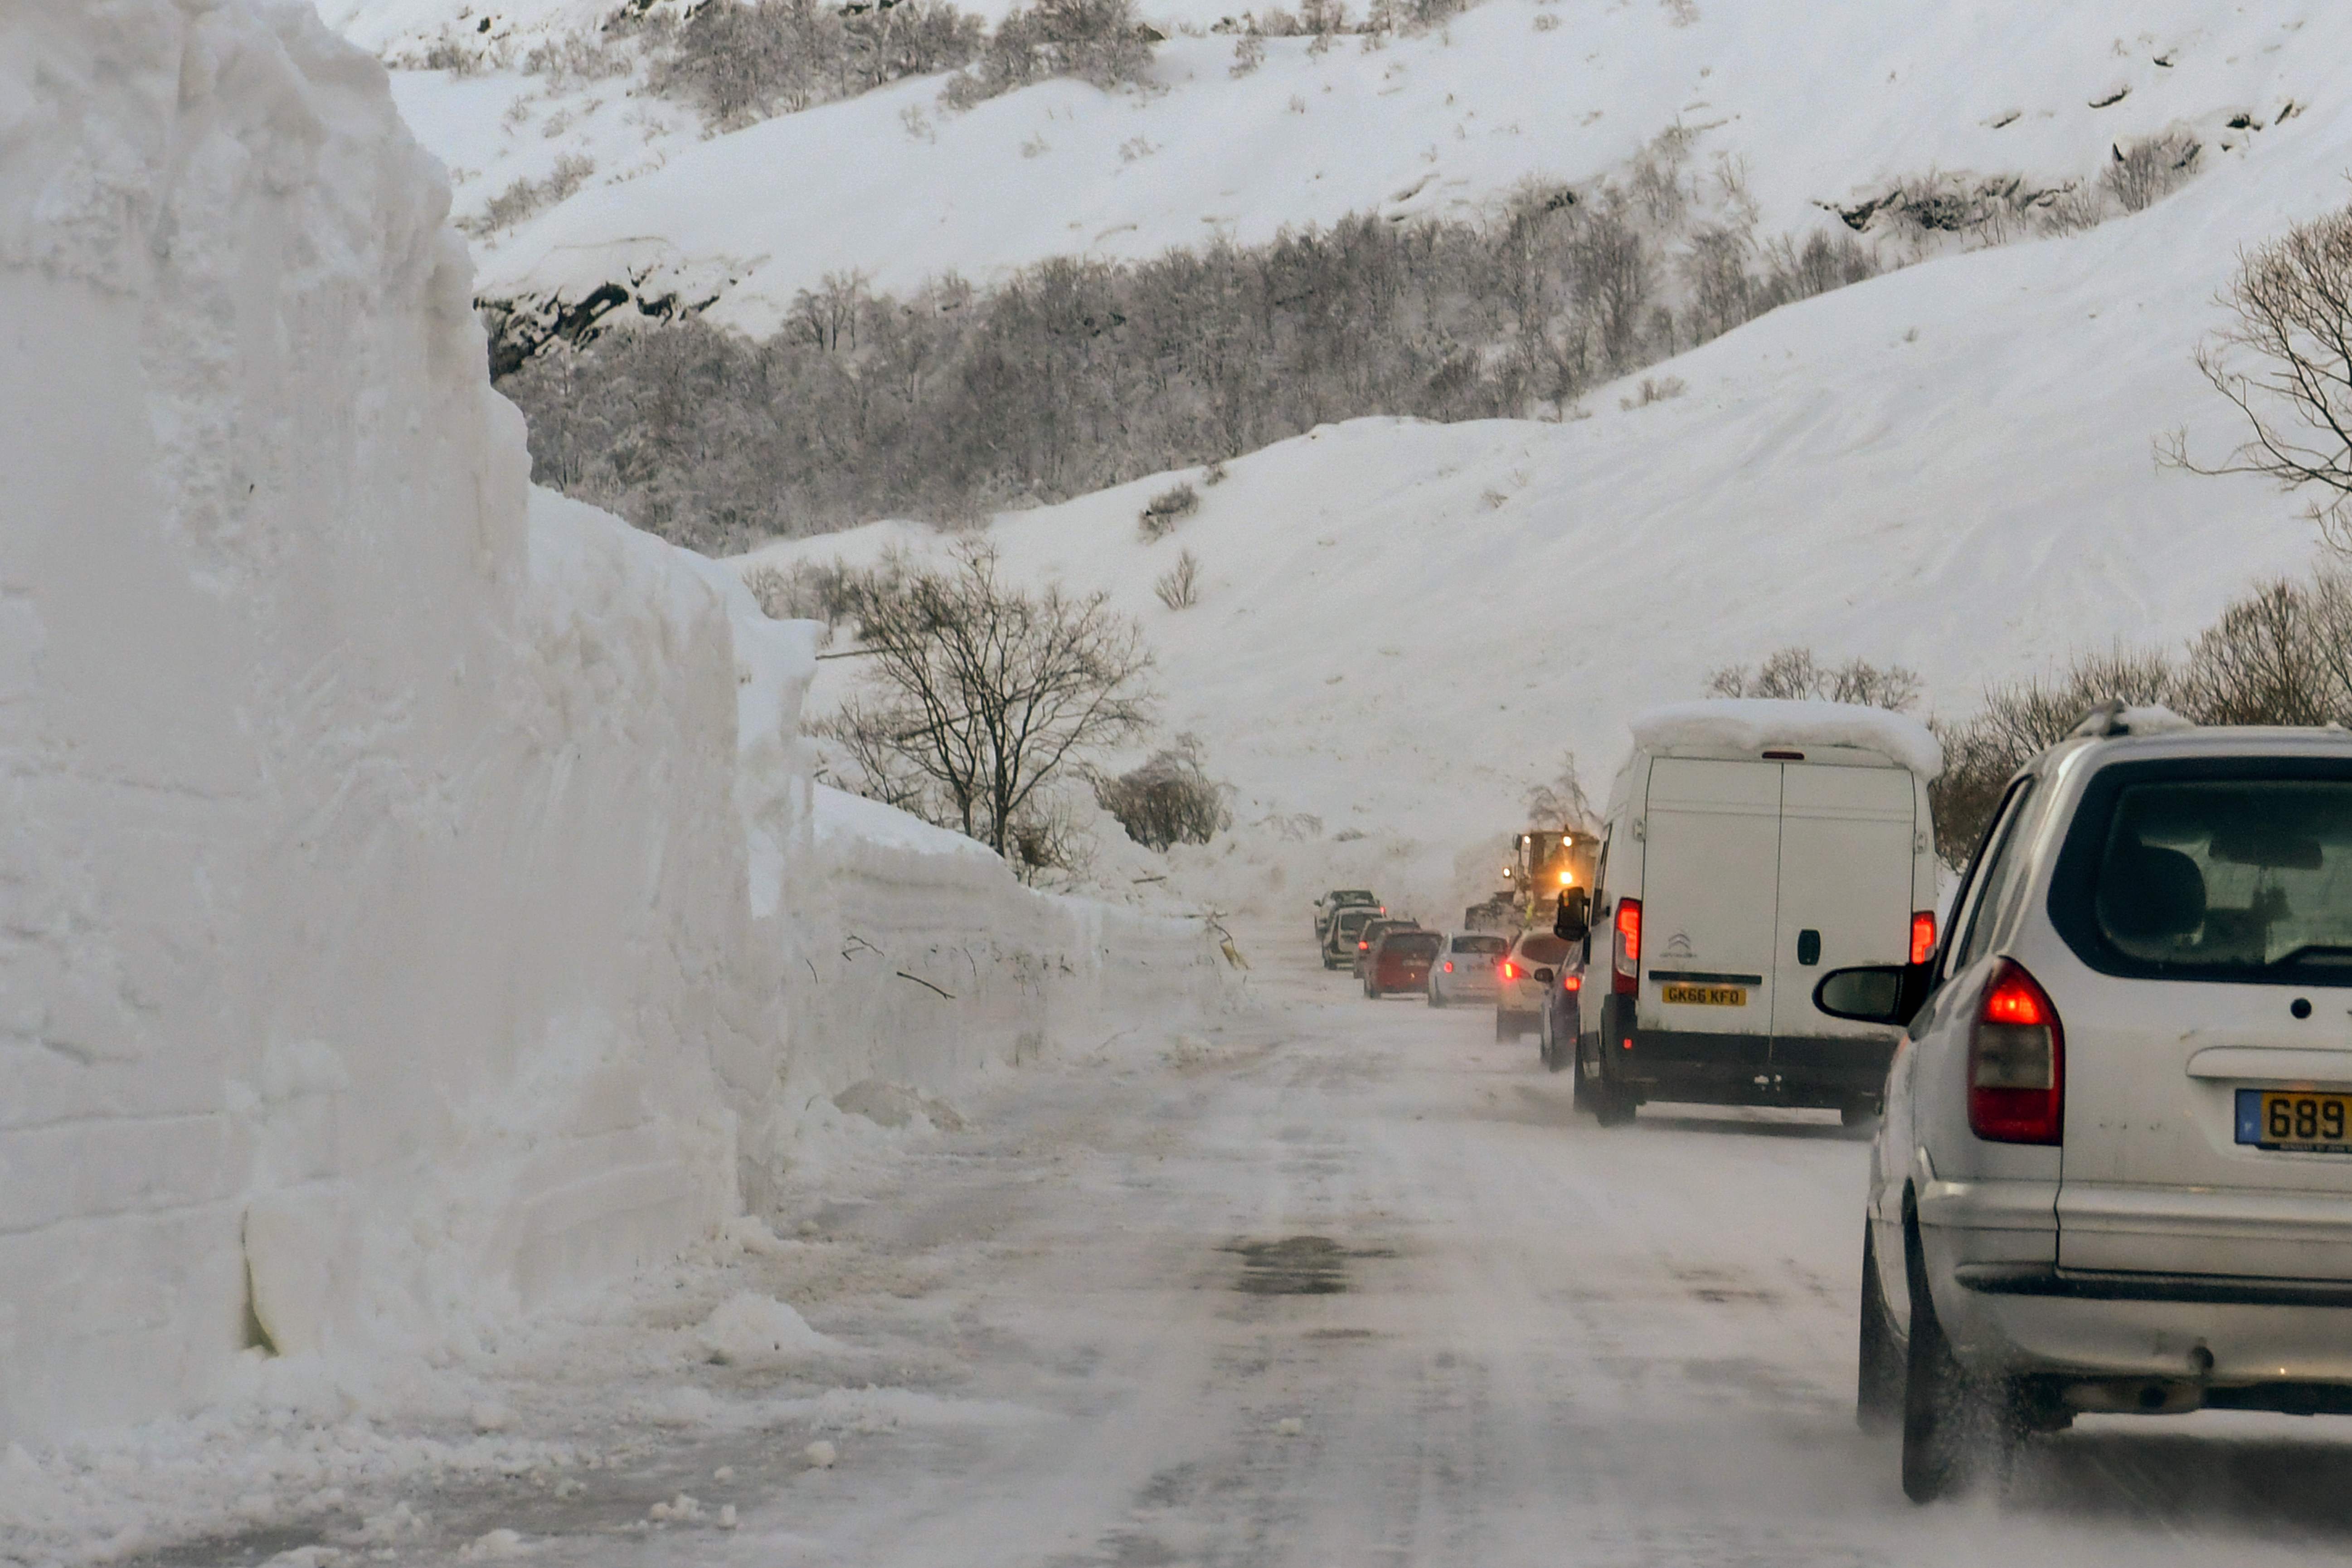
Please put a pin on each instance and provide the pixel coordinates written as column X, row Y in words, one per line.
column 1679, row 946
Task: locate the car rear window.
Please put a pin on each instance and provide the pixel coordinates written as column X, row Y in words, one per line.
column 2237, row 872
column 1411, row 944
column 1350, row 921
column 1353, row 896
column 1491, row 945
column 1543, row 947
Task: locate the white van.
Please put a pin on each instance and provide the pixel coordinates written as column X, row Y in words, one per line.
column 1750, row 847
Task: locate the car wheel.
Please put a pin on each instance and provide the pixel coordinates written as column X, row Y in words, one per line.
column 1878, row 1385
column 1580, row 1094
column 1503, row 1029
column 1856, row 1116
column 1959, row 1428
column 1434, row 999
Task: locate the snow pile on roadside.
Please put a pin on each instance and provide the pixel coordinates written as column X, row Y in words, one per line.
column 749, row 1329
column 408, row 874
column 1744, row 726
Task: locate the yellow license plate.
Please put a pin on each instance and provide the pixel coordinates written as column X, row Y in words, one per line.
column 2296, row 1119
column 1707, row 995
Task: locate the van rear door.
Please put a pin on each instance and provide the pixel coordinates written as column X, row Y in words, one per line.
column 1710, row 879
column 1846, row 838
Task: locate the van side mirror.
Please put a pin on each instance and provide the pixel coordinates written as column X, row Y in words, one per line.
column 1573, row 919
column 1874, row 992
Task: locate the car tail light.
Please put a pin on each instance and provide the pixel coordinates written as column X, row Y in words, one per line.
column 1626, row 981
column 1572, row 983
column 1509, row 970
column 2017, row 1062
column 1923, row 936
column 1363, row 947
column 1449, row 966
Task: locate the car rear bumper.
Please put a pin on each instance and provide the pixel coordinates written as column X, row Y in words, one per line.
column 2212, row 1340
column 1748, row 1069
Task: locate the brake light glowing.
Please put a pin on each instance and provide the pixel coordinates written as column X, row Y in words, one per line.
column 1573, row 982
column 1626, row 980
column 1449, row 966
column 1923, row 936
column 2017, row 1062
column 1363, row 947
column 1509, row 970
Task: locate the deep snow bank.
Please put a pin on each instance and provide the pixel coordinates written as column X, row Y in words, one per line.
column 404, row 876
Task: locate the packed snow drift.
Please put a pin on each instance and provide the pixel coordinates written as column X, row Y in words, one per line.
column 415, row 910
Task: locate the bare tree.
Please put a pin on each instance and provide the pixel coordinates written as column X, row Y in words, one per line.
column 1794, row 674
column 2292, row 309
column 1561, row 800
column 1169, row 800
column 981, row 694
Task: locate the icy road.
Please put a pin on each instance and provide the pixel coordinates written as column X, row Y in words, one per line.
column 1343, row 1284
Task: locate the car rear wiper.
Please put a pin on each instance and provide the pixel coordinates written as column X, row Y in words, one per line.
column 2323, row 952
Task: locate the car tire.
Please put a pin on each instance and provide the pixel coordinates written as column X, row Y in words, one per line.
column 1878, row 1382
column 1506, row 1026
column 1580, row 1094
column 1959, row 1429
column 1857, row 1115
column 1434, row 999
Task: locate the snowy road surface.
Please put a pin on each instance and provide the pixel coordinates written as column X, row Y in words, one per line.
column 1087, row 1333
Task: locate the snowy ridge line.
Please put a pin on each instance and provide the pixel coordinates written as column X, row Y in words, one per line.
column 433, row 856
column 1824, row 108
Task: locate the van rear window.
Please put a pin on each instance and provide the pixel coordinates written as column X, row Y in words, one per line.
column 2215, row 872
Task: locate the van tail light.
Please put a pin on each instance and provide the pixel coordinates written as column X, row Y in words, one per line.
column 2017, row 1062
column 1627, row 979
column 1923, row 936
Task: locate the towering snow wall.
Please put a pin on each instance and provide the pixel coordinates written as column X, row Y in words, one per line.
column 406, row 879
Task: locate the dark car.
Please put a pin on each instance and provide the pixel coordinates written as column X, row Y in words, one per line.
column 1339, row 898
column 1369, row 937
column 1401, row 961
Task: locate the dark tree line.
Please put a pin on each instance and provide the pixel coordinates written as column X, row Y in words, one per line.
column 1077, row 374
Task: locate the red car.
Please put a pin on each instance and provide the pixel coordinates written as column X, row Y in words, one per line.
column 1401, row 961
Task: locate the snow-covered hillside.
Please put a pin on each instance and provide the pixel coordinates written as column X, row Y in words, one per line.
column 1816, row 105
column 1403, row 626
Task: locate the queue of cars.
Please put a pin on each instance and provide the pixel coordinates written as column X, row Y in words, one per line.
column 2111, row 1171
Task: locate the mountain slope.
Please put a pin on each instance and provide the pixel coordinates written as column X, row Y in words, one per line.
column 1404, row 625
column 1810, row 104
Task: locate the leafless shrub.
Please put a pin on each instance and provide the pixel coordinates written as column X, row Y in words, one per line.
column 1169, row 800
column 1249, row 53
column 741, row 60
column 1178, row 587
column 1166, row 509
column 1097, row 41
column 2149, row 169
column 1794, row 674
column 1215, row 473
column 527, row 196
column 1650, row 391
column 2291, row 304
column 1560, row 800
column 806, row 591
column 1547, row 21
column 979, row 695
column 2073, row 210
column 2020, row 720
column 582, row 56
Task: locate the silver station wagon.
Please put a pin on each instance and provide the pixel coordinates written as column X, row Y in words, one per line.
column 2114, row 1173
